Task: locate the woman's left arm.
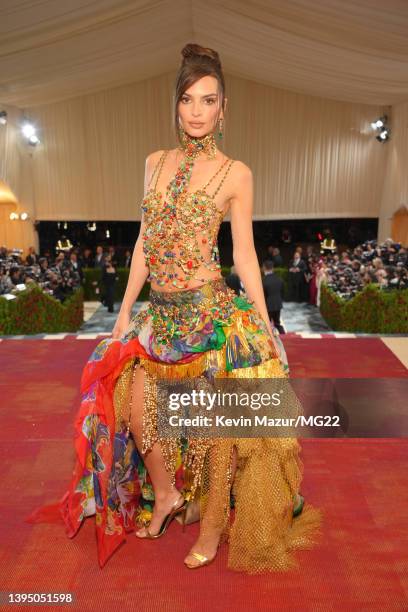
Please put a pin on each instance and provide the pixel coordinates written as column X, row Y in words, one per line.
column 244, row 254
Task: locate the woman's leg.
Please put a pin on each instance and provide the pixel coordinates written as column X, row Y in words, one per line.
column 216, row 511
column 165, row 492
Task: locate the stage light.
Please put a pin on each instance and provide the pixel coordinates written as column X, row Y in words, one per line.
column 3, row 117
column 65, row 225
column 29, row 131
column 107, row 233
column 14, row 216
column 384, row 135
column 376, row 125
column 91, row 227
column 381, row 126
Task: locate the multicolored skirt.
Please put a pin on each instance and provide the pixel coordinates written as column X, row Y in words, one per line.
column 206, row 332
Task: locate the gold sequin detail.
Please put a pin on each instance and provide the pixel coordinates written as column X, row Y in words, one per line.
column 263, row 535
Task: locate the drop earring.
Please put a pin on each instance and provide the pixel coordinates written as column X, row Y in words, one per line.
column 220, row 127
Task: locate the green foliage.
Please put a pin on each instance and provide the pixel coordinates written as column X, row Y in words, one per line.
column 371, row 311
column 36, row 312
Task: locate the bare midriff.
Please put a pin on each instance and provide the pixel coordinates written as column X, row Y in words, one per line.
column 191, row 283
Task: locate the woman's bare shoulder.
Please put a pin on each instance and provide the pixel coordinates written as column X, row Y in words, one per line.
column 240, row 169
column 240, row 181
column 154, row 157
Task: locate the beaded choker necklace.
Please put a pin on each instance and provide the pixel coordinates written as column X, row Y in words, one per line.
column 192, row 146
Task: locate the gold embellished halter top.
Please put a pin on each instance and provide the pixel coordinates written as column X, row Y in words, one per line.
column 180, row 236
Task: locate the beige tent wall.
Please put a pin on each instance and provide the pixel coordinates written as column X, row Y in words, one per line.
column 395, row 192
column 16, row 185
column 310, row 156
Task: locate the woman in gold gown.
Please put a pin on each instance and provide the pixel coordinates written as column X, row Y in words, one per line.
column 192, row 327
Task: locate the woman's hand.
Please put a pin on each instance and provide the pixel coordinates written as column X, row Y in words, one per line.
column 121, row 325
column 273, row 338
column 279, row 348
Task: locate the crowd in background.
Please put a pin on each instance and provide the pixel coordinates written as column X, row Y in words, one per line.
column 346, row 273
column 385, row 264
column 59, row 275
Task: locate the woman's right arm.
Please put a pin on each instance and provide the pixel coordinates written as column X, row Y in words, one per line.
column 138, row 272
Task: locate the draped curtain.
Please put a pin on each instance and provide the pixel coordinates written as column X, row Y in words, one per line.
column 395, row 191
column 309, row 156
column 16, row 185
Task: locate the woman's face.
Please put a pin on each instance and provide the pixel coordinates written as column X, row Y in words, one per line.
column 199, row 107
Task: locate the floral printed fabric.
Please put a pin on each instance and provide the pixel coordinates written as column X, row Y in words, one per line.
column 109, row 478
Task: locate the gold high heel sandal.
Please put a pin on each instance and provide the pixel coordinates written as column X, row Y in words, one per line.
column 168, row 518
column 202, row 558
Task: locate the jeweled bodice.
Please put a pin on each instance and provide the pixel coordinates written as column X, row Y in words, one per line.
column 180, row 237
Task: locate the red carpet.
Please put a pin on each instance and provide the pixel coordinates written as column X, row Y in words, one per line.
column 361, row 486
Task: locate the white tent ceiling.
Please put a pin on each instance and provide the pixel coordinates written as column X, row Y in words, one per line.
column 355, row 51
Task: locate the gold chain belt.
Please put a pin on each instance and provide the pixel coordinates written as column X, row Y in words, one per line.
column 179, row 313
